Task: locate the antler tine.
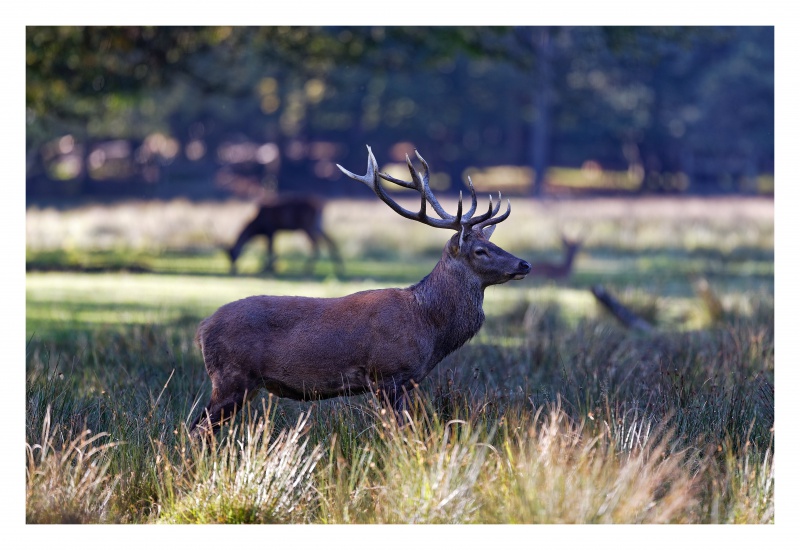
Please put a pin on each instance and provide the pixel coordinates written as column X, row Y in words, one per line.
column 499, row 202
column 424, row 182
column 419, row 216
column 474, row 206
column 407, row 184
column 503, row 217
column 416, row 182
column 492, row 221
column 483, row 217
column 371, row 180
column 420, row 182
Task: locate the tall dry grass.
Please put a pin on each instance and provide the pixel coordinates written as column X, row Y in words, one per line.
column 248, row 475
column 66, row 475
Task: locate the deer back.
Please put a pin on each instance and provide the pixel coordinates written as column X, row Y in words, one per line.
column 290, row 213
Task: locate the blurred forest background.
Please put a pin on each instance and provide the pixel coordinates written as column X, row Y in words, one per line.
column 220, row 112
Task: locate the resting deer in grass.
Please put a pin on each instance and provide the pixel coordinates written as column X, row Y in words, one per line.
column 290, row 214
column 382, row 341
column 563, row 269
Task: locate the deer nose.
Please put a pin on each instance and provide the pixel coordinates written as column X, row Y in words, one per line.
column 524, row 266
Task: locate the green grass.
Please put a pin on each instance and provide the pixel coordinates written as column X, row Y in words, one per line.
column 553, row 413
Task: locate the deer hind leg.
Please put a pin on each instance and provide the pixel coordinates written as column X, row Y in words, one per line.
column 313, row 237
column 334, row 252
column 223, row 405
column 269, row 265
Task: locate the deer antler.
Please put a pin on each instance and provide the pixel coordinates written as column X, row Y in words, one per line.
column 420, row 183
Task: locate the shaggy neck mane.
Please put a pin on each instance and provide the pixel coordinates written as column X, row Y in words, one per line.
column 451, row 297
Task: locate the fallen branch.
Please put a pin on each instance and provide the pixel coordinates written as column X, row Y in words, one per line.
column 622, row 313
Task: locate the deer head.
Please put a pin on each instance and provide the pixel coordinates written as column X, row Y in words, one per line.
column 470, row 245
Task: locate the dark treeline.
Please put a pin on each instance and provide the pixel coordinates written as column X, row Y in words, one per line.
column 211, row 111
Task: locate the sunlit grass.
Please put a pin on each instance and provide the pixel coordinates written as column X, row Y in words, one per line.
column 108, row 299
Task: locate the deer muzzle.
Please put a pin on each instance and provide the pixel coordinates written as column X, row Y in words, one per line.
column 523, row 268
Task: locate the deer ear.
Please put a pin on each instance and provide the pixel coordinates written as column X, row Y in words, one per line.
column 463, row 236
column 454, row 247
column 487, row 232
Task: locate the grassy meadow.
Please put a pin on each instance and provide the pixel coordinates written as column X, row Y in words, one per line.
column 553, row 413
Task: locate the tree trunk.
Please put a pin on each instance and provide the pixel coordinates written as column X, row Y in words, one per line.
column 540, row 132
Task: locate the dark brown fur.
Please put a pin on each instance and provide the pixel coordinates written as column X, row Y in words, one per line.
column 315, row 348
column 376, row 340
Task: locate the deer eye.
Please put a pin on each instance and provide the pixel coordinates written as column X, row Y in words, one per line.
column 481, row 252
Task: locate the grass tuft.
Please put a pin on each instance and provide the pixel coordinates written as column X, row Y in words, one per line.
column 68, row 483
column 248, row 475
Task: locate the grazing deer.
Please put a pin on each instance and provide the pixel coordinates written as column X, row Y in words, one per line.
column 376, row 340
column 290, row 214
column 563, row 269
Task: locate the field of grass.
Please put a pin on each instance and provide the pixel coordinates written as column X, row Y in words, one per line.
column 553, row 413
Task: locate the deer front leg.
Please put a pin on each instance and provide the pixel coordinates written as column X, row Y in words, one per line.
column 398, row 398
column 232, row 258
column 214, row 414
column 223, row 405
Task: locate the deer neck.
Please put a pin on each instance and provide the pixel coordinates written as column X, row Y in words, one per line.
column 451, row 299
column 569, row 257
column 247, row 233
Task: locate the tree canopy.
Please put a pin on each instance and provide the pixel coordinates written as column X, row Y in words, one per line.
column 678, row 105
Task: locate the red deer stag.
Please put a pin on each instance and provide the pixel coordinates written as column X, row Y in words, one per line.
column 375, row 340
column 290, row 214
column 563, row 269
